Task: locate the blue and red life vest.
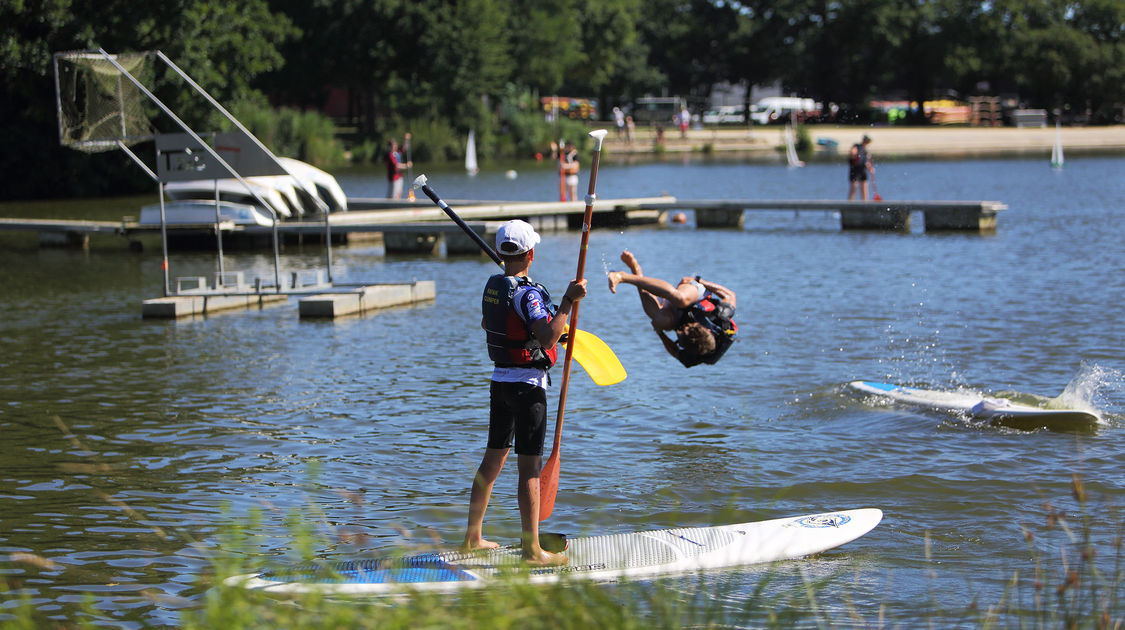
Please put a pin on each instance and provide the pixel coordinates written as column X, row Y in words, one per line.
column 715, row 315
column 509, row 338
column 860, row 157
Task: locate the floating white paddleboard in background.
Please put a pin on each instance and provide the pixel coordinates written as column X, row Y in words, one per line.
column 598, row 558
column 996, row 410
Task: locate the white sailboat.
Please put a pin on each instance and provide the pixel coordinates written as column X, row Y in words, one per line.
column 471, row 154
column 791, row 147
column 1057, row 150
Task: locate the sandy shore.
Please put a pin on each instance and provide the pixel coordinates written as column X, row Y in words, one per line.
column 885, row 141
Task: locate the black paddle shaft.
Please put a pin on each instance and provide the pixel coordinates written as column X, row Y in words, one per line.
column 456, row 219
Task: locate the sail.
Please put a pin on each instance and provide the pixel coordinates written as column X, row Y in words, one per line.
column 471, row 154
column 791, row 147
column 1057, row 150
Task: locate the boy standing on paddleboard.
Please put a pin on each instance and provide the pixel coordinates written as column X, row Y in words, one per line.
column 700, row 312
column 521, row 330
column 859, row 166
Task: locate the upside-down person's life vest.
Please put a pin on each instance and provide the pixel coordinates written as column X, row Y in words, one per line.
column 716, row 315
column 509, row 338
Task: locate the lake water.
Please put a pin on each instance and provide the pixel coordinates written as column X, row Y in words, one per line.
column 129, row 444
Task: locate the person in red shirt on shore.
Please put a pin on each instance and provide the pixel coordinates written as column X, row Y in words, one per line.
column 395, row 167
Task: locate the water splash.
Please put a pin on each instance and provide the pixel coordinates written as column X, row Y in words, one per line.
column 917, row 354
column 1089, row 388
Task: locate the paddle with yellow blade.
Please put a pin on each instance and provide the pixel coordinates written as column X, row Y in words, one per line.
column 597, row 359
column 590, row 352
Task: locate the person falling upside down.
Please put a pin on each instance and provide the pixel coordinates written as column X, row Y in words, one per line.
column 699, row 312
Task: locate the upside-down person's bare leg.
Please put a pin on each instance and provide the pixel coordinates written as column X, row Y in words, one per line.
column 659, row 298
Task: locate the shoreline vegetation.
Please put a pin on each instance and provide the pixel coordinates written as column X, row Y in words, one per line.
column 1072, row 577
column 441, row 69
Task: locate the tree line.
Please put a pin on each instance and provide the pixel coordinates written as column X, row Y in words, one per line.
column 451, row 65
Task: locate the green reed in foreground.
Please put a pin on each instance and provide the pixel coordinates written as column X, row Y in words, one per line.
column 1068, row 588
column 702, row 601
column 1069, row 585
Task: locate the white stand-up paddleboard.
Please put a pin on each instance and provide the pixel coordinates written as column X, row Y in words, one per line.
column 999, row 411
column 598, row 558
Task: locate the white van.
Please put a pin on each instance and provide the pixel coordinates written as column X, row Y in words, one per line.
column 770, row 108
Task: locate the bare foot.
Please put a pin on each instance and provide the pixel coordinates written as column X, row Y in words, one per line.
column 614, row 280
column 546, row 559
column 478, row 545
column 630, row 261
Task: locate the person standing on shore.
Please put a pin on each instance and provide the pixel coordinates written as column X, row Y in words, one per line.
column 859, row 166
column 567, row 154
column 522, row 329
column 395, row 167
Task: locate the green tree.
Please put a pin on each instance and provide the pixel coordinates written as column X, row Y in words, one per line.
column 767, row 42
column 1101, row 78
column 691, row 42
column 222, row 45
column 842, row 51
column 469, row 74
column 977, row 47
column 547, row 41
column 609, row 37
column 398, row 60
column 354, row 44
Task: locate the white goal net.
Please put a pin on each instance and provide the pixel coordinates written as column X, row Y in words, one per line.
column 98, row 106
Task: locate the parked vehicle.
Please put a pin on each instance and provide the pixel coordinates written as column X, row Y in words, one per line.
column 725, row 114
column 781, row 108
column 657, row 109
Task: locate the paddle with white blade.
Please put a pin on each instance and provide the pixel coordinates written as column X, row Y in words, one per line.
column 549, row 476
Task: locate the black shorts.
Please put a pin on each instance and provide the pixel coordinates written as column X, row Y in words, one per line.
column 857, row 173
column 517, row 410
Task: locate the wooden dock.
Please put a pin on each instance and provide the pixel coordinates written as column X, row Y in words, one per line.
column 63, row 232
column 883, row 214
column 421, row 227
column 317, row 301
column 938, row 216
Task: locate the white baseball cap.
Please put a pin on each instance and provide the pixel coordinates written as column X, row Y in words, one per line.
column 515, row 237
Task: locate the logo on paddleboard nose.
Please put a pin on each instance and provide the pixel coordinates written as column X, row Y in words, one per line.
column 822, row 521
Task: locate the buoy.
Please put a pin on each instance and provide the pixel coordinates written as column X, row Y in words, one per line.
column 511, row 174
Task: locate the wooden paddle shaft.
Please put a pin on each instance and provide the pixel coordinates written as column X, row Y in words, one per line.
column 549, row 477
